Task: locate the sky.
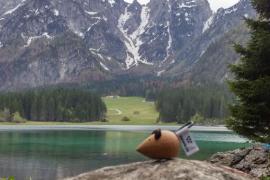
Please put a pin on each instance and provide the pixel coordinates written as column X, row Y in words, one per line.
column 215, row 4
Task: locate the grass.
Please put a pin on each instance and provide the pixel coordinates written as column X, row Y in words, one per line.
column 134, row 108
column 121, row 111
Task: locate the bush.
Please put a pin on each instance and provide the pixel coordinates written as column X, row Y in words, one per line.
column 16, row 117
column 265, row 178
column 197, row 119
column 125, row 118
column 104, row 120
column 5, row 115
column 136, row 112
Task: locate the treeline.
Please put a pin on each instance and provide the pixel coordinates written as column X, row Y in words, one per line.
column 54, row 104
column 147, row 87
column 182, row 104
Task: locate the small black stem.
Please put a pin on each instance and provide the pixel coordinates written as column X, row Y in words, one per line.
column 189, row 124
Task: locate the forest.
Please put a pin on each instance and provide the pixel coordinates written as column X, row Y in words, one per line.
column 200, row 103
column 52, row 104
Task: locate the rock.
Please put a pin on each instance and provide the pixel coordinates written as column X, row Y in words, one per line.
column 171, row 169
column 252, row 160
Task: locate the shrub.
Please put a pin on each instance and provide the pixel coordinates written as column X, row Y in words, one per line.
column 125, row 118
column 16, row 117
column 136, row 112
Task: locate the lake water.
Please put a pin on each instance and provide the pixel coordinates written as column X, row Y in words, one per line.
column 49, row 155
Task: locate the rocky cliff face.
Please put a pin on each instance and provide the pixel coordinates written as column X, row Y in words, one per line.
column 45, row 42
column 173, row 169
column 208, row 55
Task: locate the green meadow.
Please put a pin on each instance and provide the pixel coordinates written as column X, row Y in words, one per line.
column 120, row 111
column 130, row 110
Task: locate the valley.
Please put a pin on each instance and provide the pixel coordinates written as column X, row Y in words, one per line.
column 136, row 109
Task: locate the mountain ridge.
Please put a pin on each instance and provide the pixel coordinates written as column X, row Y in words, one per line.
column 108, row 38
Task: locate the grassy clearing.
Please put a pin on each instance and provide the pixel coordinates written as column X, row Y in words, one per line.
column 137, row 111
column 134, row 108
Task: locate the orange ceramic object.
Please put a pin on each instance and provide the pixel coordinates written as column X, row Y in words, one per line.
column 165, row 147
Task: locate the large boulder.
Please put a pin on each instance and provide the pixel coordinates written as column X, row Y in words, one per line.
column 253, row 160
column 171, row 169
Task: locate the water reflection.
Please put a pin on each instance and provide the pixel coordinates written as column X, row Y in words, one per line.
column 57, row 154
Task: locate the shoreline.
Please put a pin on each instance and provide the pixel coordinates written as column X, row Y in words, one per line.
column 139, row 128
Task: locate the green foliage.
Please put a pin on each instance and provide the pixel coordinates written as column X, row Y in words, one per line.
column 16, row 117
column 136, row 112
column 54, row 104
column 9, row 178
column 251, row 111
column 262, row 7
column 197, row 119
column 182, row 104
column 265, row 178
column 125, row 118
column 5, row 115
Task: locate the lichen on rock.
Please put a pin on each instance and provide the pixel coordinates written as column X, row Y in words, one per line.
column 253, row 160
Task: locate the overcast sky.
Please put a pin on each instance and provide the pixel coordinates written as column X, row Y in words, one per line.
column 215, row 4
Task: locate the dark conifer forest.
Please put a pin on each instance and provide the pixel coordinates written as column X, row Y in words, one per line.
column 54, row 104
column 182, row 104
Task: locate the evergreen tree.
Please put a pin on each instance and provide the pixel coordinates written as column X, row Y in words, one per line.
column 181, row 104
column 251, row 111
column 54, row 104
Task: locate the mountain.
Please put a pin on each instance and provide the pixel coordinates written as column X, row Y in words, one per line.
column 209, row 55
column 47, row 42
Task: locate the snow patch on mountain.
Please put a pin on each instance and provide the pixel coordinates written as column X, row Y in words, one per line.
column 159, row 73
column 14, row 9
column 90, row 27
column 169, row 33
column 33, row 38
column 104, row 67
column 230, row 10
column 63, row 68
column 144, row 22
column 133, row 42
column 189, row 4
column 76, row 30
column 208, row 23
column 112, row 2
column 91, row 13
column 56, row 12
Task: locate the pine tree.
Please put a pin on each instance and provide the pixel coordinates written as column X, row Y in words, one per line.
column 251, row 111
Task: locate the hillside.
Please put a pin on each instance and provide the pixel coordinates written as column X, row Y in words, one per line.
column 49, row 42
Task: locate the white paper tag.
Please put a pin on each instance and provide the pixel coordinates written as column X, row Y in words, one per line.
column 189, row 144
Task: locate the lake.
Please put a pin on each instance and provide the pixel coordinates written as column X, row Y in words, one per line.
column 55, row 154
